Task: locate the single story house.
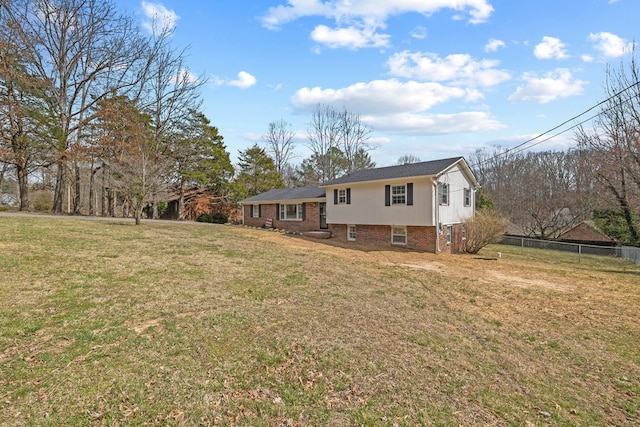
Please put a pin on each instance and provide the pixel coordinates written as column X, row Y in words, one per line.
column 587, row 233
column 419, row 206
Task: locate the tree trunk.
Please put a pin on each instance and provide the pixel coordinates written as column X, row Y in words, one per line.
column 2, row 172
column 92, row 191
column 112, row 203
column 23, row 186
column 76, row 199
column 58, row 196
column 181, row 202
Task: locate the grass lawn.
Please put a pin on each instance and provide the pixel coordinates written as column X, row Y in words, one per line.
column 106, row 323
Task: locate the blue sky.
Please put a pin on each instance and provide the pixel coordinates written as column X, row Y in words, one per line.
column 432, row 78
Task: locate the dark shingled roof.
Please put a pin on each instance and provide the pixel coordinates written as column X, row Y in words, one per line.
column 297, row 193
column 430, row 168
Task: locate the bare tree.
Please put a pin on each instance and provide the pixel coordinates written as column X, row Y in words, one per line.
column 280, row 144
column 169, row 95
column 86, row 51
column 338, row 142
column 538, row 191
column 20, row 113
column 136, row 169
column 407, row 159
column 354, row 139
column 615, row 142
column 324, row 136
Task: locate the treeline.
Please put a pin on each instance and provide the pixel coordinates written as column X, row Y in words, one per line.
column 104, row 117
column 545, row 193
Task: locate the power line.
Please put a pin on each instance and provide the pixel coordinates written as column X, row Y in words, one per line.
column 522, row 144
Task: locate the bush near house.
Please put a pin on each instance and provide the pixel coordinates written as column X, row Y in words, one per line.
column 484, row 229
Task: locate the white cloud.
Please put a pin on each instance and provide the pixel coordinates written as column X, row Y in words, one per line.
column 493, row 45
column 382, row 97
column 244, row 81
column 419, row 33
column 340, row 10
column 359, row 19
column 433, row 124
column 553, row 85
column 158, row 17
column 455, row 68
column 349, row 37
column 400, row 107
column 550, row 48
column 610, row 45
column 586, row 58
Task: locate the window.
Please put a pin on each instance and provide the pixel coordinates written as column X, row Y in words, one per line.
column 398, row 195
column 291, row 212
column 449, row 230
column 351, row 233
column 444, row 193
column 256, row 211
column 399, row 235
column 342, row 197
column 467, row 197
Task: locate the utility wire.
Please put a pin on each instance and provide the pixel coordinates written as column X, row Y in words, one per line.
column 522, row 144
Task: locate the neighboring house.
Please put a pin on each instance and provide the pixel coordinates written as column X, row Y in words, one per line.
column 198, row 201
column 587, row 233
column 418, row 206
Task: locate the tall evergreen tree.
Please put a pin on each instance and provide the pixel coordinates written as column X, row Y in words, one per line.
column 257, row 172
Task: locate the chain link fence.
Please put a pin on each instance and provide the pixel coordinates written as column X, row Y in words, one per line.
column 628, row 252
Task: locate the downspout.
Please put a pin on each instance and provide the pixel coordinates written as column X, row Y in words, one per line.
column 437, row 212
column 242, row 213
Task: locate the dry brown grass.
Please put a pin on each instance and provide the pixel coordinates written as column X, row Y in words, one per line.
column 104, row 323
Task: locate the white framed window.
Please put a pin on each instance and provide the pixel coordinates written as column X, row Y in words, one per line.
column 342, row 197
column 444, row 193
column 351, row 233
column 291, row 212
column 255, row 211
column 399, row 235
column 467, row 197
column 449, row 231
column 398, row 194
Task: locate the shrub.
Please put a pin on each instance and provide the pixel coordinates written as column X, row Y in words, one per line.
column 487, row 227
column 204, row 217
column 42, row 201
column 219, row 218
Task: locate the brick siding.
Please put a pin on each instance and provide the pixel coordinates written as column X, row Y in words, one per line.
column 311, row 221
column 418, row 238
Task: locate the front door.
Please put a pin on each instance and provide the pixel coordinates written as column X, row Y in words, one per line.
column 323, row 216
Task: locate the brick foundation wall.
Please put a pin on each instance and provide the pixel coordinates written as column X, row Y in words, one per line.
column 311, row 221
column 418, row 238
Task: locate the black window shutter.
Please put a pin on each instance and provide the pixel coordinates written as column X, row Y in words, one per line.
column 348, row 196
column 259, row 211
column 335, row 196
column 250, row 210
column 387, row 195
column 303, row 211
column 410, row 194
column 278, row 211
